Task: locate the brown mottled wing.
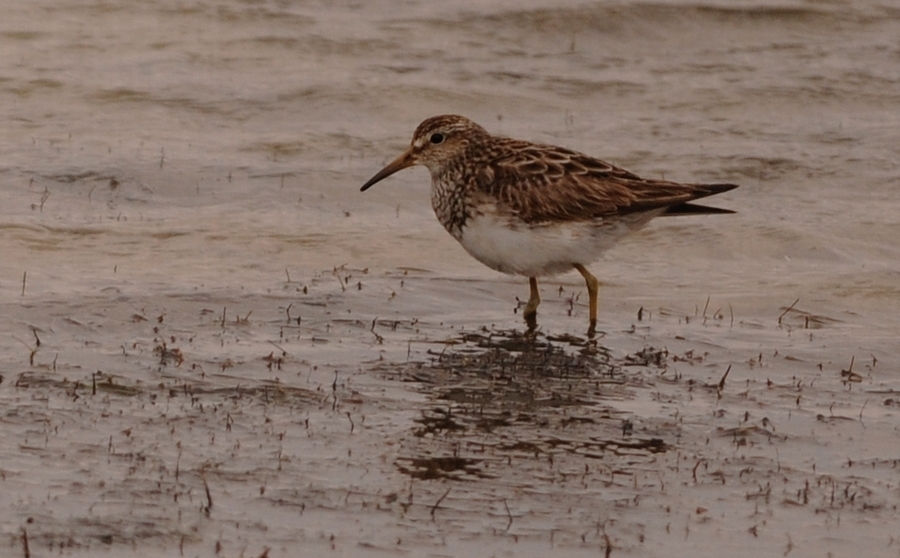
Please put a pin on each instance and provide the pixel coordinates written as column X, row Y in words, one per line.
column 542, row 183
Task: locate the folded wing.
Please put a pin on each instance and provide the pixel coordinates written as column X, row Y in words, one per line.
column 542, row 183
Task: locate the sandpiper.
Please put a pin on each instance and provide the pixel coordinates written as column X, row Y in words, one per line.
column 529, row 209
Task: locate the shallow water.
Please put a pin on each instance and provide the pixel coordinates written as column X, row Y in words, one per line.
column 180, row 183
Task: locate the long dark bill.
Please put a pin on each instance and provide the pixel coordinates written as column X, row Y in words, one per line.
column 400, row 163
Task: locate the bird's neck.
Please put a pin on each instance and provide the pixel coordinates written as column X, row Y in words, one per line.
column 449, row 187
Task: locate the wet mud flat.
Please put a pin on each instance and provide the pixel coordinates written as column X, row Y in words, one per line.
column 310, row 420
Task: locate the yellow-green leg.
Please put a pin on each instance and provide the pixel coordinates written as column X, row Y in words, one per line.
column 593, row 287
column 531, row 308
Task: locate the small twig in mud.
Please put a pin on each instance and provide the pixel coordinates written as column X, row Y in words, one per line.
column 178, row 461
column 25, row 548
column 572, row 299
column 849, row 375
column 861, row 412
column 27, row 346
column 288, row 311
column 223, row 315
column 705, row 306
column 607, row 544
column 694, row 470
column 341, row 281
column 24, row 276
column 208, row 507
column 279, row 347
column 94, row 382
column 280, row 454
column 351, row 422
column 730, row 309
column 44, row 198
column 37, row 339
column 721, row 385
column 162, row 156
column 334, row 391
column 641, row 314
column 378, row 338
column 438, row 503
column 508, row 514
column 288, row 273
column 788, row 309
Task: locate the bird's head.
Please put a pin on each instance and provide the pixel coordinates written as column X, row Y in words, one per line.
column 437, row 141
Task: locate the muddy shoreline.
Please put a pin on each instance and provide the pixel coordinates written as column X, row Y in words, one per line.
column 243, row 424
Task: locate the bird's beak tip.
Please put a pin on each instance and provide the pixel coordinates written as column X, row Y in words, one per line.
column 400, row 163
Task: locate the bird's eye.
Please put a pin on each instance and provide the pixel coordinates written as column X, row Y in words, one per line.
column 437, row 138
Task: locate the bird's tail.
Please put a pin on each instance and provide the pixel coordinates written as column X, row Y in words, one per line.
column 701, row 191
column 694, row 209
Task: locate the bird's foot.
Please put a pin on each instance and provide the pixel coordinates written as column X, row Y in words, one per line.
column 531, row 320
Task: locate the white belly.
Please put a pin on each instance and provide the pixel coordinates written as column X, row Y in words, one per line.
column 548, row 249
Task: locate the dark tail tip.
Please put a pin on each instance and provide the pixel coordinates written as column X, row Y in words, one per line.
column 713, row 189
column 695, row 209
column 701, row 191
